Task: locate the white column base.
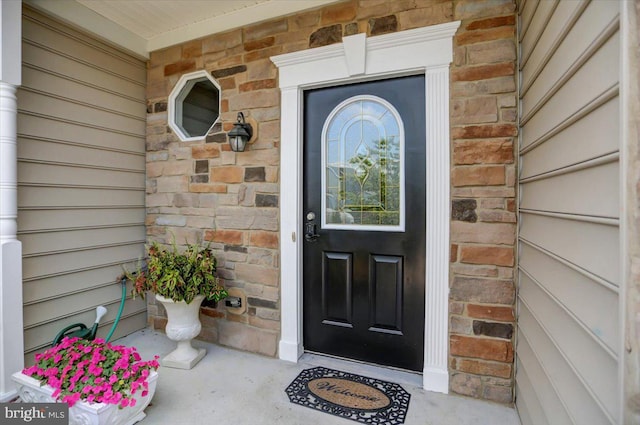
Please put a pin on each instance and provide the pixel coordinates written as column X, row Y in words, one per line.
column 436, row 380
column 289, row 351
column 11, row 328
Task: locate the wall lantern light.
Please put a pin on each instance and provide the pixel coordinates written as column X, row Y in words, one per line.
column 240, row 134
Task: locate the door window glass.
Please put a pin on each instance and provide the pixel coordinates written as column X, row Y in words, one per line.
column 363, row 163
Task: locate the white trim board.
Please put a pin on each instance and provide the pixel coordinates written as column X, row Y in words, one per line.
column 427, row 51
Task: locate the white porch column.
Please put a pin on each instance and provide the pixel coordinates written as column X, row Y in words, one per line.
column 11, row 327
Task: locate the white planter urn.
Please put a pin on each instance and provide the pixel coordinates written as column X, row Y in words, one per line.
column 183, row 324
column 84, row 413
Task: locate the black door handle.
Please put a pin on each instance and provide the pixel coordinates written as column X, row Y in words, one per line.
column 310, row 234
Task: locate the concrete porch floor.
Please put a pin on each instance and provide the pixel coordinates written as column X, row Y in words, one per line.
column 239, row 388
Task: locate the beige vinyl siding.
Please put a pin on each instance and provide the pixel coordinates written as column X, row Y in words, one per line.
column 81, row 179
column 569, row 201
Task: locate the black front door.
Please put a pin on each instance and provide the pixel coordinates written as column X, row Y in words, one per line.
column 364, row 207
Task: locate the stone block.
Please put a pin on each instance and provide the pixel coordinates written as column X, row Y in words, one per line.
column 474, row 110
column 491, row 312
column 478, row 175
column 227, row 174
column 259, row 322
column 500, row 256
column 460, row 325
column 266, row 219
column 342, row 12
column 483, row 72
column 264, row 200
column 474, row 270
column 160, row 57
column 497, row 151
column 491, row 52
column 257, row 85
column 482, row 290
column 496, row 216
column 481, row 348
column 205, row 151
column 254, row 99
column 247, row 195
column 483, row 87
column 177, row 168
column 484, row 233
column 180, row 67
column 456, row 307
column 257, row 274
column 226, row 72
column 265, row 29
column 325, row 36
column 199, row 222
column 233, row 237
column 372, row 8
column 473, row 9
column 175, row 220
column 483, row 192
column 485, row 35
column 259, row 44
column 259, row 157
column 262, row 257
column 484, row 131
column 481, row 367
column 264, row 239
column 223, row 41
column 500, row 394
column 257, row 302
column 493, row 203
column 383, row 25
column 178, row 151
column 469, row 385
column 234, row 218
column 254, row 174
column 464, row 210
column 216, row 138
column 191, row 49
column 207, row 188
column 494, row 22
column 496, row 330
column 202, row 166
column 419, row 17
column 157, row 156
column 175, row 184
column 304, row 20
column 248, row 338
column 263, row 53
column 453, row 253
column 267, row 313
column 154, row 169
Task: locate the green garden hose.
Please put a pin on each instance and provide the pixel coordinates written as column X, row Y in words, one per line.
column 123, row 282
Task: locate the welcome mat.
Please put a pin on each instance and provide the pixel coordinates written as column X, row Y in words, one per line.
column 355, row 397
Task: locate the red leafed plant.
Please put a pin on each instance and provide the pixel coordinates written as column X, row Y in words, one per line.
column 94, row 371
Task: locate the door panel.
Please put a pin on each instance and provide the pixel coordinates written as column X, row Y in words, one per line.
column 364, row 205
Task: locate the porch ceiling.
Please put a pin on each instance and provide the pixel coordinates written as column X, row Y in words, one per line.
column 142, row 26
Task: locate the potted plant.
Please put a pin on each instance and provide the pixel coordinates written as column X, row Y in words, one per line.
column 102, row 383
column 181, row 280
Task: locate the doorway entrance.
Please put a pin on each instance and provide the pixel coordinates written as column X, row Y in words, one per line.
column 426, row 51
column 364, row 207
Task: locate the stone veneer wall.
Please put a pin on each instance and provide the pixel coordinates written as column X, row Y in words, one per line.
column 203, row 192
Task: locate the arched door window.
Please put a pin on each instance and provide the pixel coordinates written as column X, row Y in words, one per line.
column 363, row 166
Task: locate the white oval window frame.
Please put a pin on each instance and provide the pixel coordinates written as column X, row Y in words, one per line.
column 174, row 108
column 400, row 227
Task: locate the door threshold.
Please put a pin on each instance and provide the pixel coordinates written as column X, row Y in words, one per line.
column 371, row 370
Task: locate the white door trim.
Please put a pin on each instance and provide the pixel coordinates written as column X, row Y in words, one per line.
column 427, row 51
